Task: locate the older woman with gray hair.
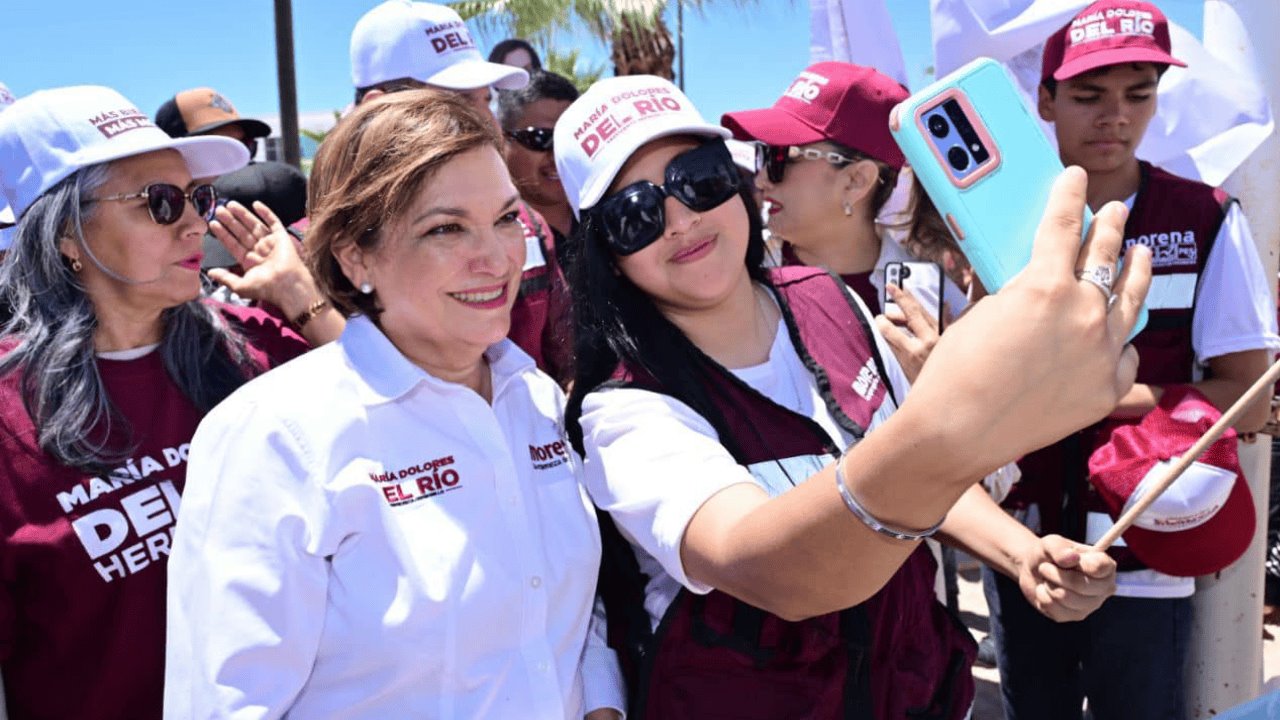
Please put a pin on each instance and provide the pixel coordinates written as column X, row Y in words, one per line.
column 109, row 362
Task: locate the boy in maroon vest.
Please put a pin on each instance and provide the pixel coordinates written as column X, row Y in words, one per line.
column 1212, row 324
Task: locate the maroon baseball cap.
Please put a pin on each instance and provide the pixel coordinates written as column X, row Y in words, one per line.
column 834, row 101
column 1108, row 32
column 1205, row 520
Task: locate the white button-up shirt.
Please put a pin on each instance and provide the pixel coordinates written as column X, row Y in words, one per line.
column 359, row 539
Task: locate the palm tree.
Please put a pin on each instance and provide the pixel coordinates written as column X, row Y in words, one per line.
column 570, row 65
column 635, row 30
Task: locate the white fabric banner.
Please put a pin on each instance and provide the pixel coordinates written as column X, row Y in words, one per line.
column 856, row 31
column 1212, row 114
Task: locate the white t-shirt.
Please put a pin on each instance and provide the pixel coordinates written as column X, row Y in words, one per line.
column 652, row 461
column 1233, row 313
column 359, row 539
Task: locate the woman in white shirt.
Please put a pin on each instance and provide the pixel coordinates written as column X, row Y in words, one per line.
column 393, row 526
column 767, row 478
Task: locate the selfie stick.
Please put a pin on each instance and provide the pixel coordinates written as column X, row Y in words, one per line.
column 1228, row 419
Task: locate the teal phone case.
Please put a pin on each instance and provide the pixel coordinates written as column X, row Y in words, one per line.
column 995, row 216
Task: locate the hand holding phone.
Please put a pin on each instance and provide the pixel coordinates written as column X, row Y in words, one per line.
column 923, row 280
column 986, row 164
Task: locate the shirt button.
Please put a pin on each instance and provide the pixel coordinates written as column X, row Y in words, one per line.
column 542, row 667
column 535, row 582
column 512, row 499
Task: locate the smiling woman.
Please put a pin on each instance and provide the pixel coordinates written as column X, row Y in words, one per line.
column 766, row 477
column 405, row 488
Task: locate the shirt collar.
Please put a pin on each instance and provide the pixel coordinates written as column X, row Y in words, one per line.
column 386, row 374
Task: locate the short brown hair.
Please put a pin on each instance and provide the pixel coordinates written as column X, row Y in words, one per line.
column 368, row 170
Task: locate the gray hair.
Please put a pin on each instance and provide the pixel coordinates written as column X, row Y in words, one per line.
column 50, row 338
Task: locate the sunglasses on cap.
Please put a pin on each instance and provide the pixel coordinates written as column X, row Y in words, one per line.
column 534, row 138
column 773, row 159
column 166, row 202
column 702, row 179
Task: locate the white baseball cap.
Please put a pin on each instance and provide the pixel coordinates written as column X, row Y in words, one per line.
column 600, row 131
column 49, row 134
column 426, row 42
column 6, row 215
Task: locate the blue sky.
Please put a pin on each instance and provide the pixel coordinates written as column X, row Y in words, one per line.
column 735, row 58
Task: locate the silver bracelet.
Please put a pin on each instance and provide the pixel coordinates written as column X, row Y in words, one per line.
column 870, row 520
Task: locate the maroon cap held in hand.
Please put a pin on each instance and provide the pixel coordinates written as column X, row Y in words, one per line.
column 1205, row 520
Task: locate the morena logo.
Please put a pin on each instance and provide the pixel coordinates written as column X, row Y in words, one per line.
column 807, row 87
column 867, row 382
column 550, row 455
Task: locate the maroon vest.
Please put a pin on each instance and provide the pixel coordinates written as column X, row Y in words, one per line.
column 539, row 317
column 860, row 283
column 1178, row 219
column 898, row 655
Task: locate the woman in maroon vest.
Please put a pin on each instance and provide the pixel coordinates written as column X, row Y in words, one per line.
column 758, row 568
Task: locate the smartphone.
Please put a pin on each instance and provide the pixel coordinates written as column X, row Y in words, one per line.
column 922, row 279
column 986, row 164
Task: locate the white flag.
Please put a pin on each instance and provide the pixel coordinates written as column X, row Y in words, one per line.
column 856, row 31
column 1212, row 115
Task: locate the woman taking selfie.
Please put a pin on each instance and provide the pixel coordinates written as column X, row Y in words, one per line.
column 770, row 564
column 393, row 526
column 109, row 362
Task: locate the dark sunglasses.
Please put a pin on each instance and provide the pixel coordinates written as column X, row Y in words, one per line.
column 534, row 138
column 702, row 179
column 166, row 202
column 773, row 159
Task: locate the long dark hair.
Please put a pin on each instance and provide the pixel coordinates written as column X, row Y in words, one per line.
column 616, row 323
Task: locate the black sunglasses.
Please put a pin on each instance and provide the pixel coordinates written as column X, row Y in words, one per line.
column 534, row 138
column 166, row 202
column 702, row 179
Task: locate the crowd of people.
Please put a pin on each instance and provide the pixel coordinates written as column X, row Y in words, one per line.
column 534, row 401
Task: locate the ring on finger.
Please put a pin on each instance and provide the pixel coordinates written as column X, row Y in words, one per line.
column 1101, row 277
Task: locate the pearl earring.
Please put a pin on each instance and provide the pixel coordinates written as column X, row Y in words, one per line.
column 848, row 210
column 75, row 265
column 366, row 288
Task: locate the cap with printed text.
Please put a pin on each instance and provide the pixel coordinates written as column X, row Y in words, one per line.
column 1108, row 32
column 421, row 41
column 602, row 129
column 835, row 101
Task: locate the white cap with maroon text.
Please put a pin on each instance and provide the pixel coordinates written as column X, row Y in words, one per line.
column 604, row 127
column 421, row 41
column 49, row 134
